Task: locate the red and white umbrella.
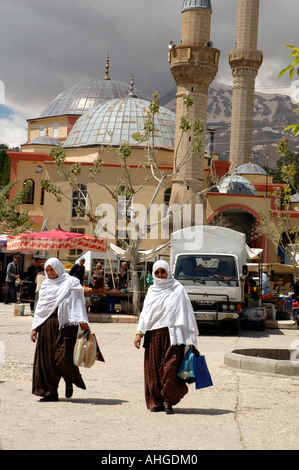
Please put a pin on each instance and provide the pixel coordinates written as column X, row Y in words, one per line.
column 57, row 239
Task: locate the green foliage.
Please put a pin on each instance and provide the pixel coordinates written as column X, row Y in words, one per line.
column 12, row 221
column 291, row 69
column 287, row 163
column 4, row 166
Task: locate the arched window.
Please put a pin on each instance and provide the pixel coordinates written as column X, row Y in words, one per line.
column 42, row 196
column 55, row 129
column 30, row 195
column 79, row 201
column 167, row 195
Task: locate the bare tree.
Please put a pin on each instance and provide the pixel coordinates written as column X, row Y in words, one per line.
column 125, row 187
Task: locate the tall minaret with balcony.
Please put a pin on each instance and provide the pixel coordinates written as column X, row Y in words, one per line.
column 193, row 64
column 245, row 61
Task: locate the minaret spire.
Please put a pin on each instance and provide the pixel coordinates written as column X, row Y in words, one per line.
column 193, row 64
column 245, row 61
column 107, row 68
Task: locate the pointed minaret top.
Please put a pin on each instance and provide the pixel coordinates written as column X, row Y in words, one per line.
column 107, row 68
column 132, row 92
column 188, row 4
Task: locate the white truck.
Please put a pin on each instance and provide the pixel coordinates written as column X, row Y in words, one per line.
column 210, row 262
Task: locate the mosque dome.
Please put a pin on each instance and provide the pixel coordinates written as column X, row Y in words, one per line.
column 188, row 4
column 45, row 140
column 84, row 96
column 114, row 122
column 295, row 198
column 250, row 169
column 236, row 184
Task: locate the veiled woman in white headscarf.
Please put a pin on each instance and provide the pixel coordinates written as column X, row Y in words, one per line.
column 168, row 324
column 59, row 311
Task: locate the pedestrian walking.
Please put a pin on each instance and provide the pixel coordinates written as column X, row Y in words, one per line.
column 78, row 270
column 59, row 311
column 31, row 280
column 12, row 275
column 168, row 324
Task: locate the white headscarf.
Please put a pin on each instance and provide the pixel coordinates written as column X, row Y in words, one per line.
column 167, row 305
column 64, row 292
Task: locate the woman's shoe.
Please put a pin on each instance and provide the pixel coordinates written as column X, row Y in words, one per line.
column 68, row 391
column 157, row 408
column 53, row 397
column 168, row 409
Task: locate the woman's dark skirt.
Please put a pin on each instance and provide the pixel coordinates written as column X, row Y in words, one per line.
column 161, row 363
column 53, row 358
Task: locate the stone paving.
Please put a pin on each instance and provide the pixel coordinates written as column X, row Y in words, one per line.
column 244, row 410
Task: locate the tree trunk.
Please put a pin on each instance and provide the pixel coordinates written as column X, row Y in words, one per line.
column 135, row 278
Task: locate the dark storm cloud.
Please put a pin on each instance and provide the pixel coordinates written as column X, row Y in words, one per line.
column 47, row 47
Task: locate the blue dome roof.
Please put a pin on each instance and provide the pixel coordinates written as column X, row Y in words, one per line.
column 251, row 169
column 235, row 184
column 45, row 140
column 84, row 96
column 188, row 4
column 114, row 122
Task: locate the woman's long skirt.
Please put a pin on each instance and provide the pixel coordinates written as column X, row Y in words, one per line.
column 53, row 358
column 161, row 363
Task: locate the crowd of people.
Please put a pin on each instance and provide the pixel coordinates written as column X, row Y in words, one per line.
column 25, row 283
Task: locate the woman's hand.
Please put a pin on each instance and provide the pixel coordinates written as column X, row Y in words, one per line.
column 84, row 326
column 137, row 341
column 33, row 335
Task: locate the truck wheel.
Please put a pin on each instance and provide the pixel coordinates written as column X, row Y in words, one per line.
column 234, row 327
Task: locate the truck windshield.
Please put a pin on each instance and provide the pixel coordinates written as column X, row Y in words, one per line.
column 200, row 268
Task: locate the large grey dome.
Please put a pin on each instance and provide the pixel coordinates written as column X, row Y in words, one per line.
column 84, row 96
column 188, row 4
column 114, row 122
column 236, row 184
column 250, row 169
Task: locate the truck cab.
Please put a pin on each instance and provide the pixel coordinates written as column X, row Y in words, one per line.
column 210, row 262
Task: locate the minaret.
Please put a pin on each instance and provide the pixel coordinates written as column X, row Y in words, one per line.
column 193, row 64
column 245, row 61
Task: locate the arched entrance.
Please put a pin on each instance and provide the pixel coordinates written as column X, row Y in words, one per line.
column 240, row 218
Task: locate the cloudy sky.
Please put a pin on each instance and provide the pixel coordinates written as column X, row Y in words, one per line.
column 47, row 47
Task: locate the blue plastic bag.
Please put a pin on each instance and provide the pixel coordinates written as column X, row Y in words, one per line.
column 201, row 372
column 186, row 370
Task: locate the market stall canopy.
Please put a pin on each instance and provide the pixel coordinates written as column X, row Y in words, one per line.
column 253, row 253
column 57, row 239
column 143, row 255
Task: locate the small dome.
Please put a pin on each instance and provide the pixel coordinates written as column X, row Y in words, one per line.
column 235, row 184
column 188, row 4
column 84, row 96
column 114, row 122
column 251, row 169
column 45, row 140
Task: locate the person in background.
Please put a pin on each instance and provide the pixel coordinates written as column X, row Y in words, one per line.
column 59, row 311
column 2, row 278
column 250, row 284
column 123, row 276
column 265, row 284
column 31, row 280
column 98, row 277
column 78, row 270
column 168, row 324
column 12, row 275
